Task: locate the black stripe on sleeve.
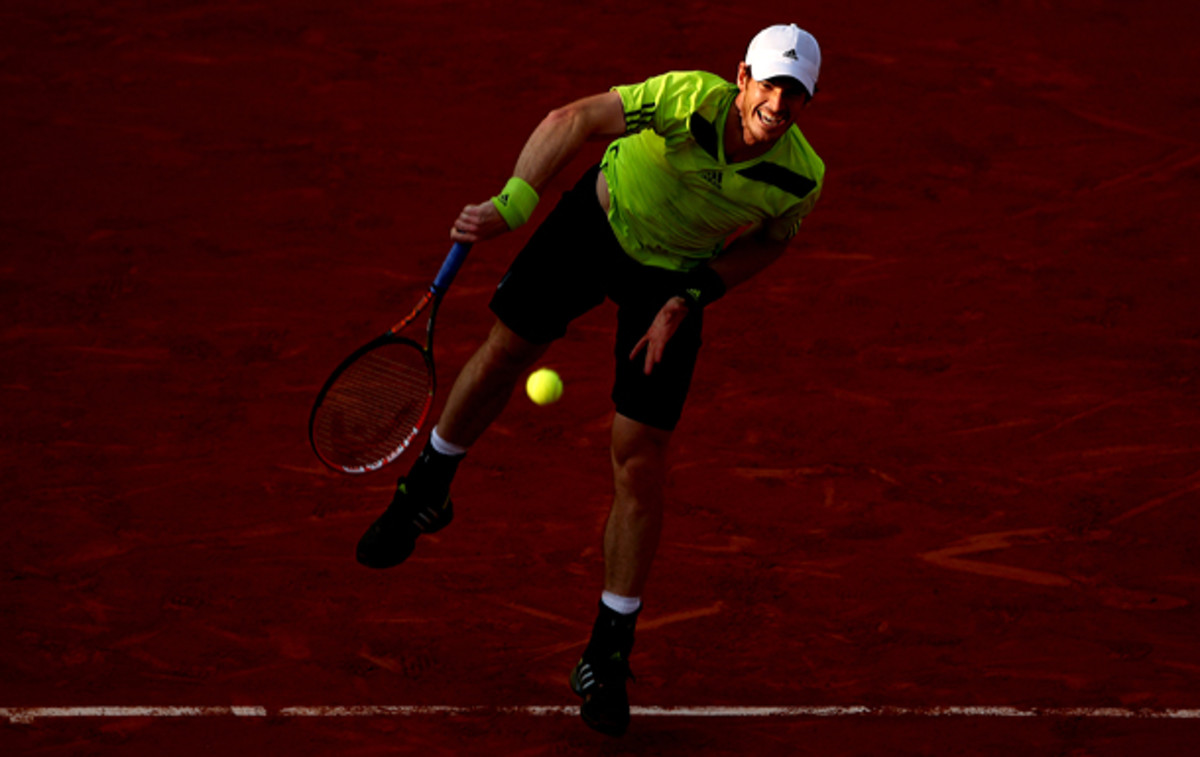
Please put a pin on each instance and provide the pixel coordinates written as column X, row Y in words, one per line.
column 636, row 120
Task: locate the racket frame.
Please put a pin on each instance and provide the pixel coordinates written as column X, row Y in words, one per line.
column 432, row 299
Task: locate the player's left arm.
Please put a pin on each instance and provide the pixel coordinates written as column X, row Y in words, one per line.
column 750, row 254
column 741, row 260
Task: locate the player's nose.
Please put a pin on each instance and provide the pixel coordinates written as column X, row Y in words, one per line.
column 775, row 100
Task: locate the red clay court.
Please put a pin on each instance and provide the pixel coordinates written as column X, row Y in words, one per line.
column 946, row 454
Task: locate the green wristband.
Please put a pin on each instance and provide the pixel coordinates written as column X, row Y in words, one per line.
column 516, row 202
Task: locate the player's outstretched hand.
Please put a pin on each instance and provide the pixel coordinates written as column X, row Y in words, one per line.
column 478, row 222
column 665, row 324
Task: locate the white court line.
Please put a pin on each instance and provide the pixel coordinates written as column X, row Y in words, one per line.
column 29, row 714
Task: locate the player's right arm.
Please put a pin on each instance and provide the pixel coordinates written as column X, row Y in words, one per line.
column 552, row 145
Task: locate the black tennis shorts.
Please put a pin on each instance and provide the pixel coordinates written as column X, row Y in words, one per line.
column 569, row 266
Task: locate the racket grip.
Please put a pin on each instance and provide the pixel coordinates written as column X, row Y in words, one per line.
column 454, row 261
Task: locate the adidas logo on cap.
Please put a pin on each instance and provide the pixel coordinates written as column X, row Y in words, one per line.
column 791, row 55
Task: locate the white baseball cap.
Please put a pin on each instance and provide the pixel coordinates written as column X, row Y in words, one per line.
column 785, row 50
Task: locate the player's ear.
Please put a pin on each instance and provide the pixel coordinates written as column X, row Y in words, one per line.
column 743, row 75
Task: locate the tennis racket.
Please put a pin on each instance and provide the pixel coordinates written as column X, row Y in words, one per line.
column 376, row 401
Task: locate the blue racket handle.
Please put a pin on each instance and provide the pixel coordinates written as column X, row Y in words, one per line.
column 454, row 261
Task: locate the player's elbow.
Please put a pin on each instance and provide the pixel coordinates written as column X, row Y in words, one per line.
column 596, row 116
column 562, row 126
column 568, row 118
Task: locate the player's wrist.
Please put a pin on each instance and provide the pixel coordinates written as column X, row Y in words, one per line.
column 701, row 287
column 516, row 202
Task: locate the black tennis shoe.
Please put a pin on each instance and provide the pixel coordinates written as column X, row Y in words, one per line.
column 393, row 536
column 601, row 683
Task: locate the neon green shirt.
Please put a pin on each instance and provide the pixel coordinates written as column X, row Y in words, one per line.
column 674, row 201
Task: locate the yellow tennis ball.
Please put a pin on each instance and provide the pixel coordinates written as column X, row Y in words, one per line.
column 544, row 386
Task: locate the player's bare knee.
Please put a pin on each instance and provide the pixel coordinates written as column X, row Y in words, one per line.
column 639, row 468
column 510, row 352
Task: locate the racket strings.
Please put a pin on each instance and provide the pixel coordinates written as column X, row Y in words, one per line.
column 375, row 407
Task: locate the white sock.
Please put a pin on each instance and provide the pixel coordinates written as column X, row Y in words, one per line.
column 444, row 447
column 619, row 604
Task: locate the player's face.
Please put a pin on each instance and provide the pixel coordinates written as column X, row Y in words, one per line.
column 767, row 108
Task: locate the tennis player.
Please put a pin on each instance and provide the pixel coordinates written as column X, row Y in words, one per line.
column 704, row 185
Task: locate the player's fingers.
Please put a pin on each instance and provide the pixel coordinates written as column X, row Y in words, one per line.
column 638, row 347
column 477, row 223
column 654, row 353
column 464, row 227
column 471, row 217
column 465, row 230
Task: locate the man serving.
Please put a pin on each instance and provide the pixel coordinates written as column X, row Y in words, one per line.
column 704, row 185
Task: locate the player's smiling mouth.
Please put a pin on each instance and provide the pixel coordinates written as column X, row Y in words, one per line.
column 770, row 121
